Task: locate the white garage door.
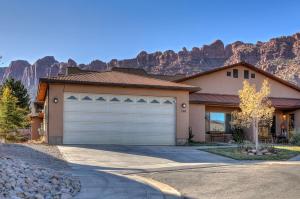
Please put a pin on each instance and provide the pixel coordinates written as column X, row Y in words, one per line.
column 118, row 119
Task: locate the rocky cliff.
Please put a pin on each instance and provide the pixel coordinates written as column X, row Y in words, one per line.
column 279, row 56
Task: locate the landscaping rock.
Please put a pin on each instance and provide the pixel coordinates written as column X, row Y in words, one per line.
column 19, row 179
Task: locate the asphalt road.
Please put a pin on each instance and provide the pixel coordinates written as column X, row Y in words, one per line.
column 235, row 181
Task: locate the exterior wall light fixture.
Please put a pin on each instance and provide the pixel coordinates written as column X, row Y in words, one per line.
column 55, row 100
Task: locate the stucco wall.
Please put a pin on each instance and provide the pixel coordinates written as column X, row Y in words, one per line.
column 220, row 83
column 56, row 110
column 197, row 121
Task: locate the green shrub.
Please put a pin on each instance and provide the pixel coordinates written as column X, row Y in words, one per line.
column 247, row 145
column 295, row 139
column 10, row 137
column 191, row 135
column 238, row 135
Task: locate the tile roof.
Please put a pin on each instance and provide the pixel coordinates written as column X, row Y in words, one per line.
column 114, row 78
column 140, row 71
column 233, row 100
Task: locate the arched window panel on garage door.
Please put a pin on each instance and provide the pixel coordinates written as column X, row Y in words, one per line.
column 86, row 98
column 154, row 101
column 168, row 101
column 141, row 100
column 115, row 99
column 71, row 97
column 128, row 100
column 100, row 99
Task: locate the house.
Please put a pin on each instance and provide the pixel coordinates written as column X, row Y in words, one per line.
column 114, row 108
column 133, row 108
column 211, row 107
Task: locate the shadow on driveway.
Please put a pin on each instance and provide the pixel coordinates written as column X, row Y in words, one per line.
column 95, row 182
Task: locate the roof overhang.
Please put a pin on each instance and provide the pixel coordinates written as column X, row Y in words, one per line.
column 44, row 84
column 233, row 101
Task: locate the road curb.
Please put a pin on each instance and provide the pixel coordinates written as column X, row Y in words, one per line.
column 167, row 190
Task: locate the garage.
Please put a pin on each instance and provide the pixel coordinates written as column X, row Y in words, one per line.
column 114, row 108
column 118, row 119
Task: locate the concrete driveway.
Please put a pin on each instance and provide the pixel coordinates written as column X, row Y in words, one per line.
column 109, row 171
column 125, row 159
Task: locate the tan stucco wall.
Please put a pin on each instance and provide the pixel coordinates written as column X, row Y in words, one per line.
column 219, row 83
column 197, row 121
column 56, row 110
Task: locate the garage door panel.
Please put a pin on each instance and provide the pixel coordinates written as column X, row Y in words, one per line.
column 122, row 118
column 140, row 128
column 117, row 139
column 118, row 108
column 150, row 121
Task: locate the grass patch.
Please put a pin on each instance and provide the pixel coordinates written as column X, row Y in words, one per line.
column 284, row 153
column 207, row 144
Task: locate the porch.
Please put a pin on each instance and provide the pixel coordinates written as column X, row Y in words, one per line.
column 210, row 117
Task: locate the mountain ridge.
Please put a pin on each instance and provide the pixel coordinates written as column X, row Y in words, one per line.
column 279, row 56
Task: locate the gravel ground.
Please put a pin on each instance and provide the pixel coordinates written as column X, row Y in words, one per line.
column 46, row 156
column 22, row 180
column 235, row 181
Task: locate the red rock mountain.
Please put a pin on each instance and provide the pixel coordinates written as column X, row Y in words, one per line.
column 279, row 56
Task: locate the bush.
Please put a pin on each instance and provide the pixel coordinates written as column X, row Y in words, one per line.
column 247, row 145
column 10, row 137
column 191, row 135
column 295, row 139
column 238, row 135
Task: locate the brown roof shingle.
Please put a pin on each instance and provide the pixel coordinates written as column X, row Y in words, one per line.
column 233, row 100
column 114, row 78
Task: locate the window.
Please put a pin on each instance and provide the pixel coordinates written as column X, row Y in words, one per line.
column 114, row 99
column 101, row 99
column 235, row 73
column 218, row 121
column 128, row 100
column 252, row 75
column 167, row 102
column 141, row 101
column 246, row 74
column 154, row 102
column 87, row 98
column 72, row 98
column 228, row 73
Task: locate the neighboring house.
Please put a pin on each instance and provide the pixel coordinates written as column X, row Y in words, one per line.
column 211, row 107
column 125, row 106
column 114, row 108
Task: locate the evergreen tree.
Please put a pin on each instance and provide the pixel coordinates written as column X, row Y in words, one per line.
column 19, row 91
column 12, row 117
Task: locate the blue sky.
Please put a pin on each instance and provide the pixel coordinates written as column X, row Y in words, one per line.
column 88, row 29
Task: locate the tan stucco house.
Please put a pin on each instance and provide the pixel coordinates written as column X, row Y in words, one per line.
column 118, row 107
column 210, row 107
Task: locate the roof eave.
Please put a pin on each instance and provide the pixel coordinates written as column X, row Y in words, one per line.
column 188, row 88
